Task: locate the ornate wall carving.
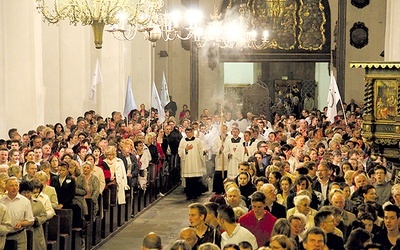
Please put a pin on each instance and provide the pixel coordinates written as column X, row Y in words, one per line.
column 292, row 24
column 381, row 126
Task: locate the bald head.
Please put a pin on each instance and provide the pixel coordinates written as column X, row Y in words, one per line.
column 189, row 235
column 151, row 241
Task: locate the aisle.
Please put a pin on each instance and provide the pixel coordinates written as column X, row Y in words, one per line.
column 166, row 218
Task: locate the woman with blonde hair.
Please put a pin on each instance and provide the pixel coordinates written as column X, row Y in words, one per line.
column 281, row 226
column 50, row 191
column 117, row 172
column 149, row 141
column 3, row 178
column 97, row 171
column 281, row 242
column 92, row 185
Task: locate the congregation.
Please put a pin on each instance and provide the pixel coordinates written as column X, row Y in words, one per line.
column 296, row 181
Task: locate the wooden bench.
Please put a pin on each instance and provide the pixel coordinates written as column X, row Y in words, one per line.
column 105, row 221
column 53, row 233
column 128, row 206
column 65, row 228
column 77, row 227
column 135, row 202
column 96, row 226
column 113, row 207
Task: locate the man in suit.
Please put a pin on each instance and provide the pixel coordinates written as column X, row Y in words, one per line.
column 276, row 209
column 64, row 185
column 323, row 180
column 326, row 221
column 171, row 106
column 170, row 144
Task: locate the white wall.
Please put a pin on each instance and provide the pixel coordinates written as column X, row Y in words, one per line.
column 46, row 70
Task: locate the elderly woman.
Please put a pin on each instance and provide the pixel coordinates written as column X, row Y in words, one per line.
column 97, row 171
column 92, row 185
column 234, row 199
column 50, row 191
column 117, row 172
column 302, row 203
column 395, row 195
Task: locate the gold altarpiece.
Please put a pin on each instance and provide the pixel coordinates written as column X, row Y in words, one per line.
column 381, row 126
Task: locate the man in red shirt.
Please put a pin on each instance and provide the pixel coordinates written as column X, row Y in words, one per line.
column 258, row 221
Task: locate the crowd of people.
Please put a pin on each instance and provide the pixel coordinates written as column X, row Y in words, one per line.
column 295, row 182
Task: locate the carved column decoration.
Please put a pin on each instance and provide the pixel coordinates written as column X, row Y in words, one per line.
column 369, row 99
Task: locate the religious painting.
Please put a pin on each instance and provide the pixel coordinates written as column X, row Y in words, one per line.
column 386, row 94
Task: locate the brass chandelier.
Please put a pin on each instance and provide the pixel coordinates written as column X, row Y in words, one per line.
column 124, row 18
column 99, row 13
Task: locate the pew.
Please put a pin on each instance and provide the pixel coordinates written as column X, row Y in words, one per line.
column 105, row 222
column 113, row 207
column 135, row 201
column 53, row 233
column 69, row 230
column 78, row 227
column 96, row 228
column 65, row 228
column 89, row 223
column 128, row 206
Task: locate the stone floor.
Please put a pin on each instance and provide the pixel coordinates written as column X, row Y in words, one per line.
column 166, row 217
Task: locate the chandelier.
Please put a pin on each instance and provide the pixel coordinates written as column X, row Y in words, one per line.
column 232, row 32
column 167, row 26
column 125, row 18
column 98, row 13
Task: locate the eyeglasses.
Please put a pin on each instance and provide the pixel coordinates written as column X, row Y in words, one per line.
column 274, row 191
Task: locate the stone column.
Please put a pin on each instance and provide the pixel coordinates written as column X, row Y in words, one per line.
column 392, row 36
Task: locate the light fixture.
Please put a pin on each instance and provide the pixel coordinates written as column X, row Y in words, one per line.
column 120, row 14
column 232, row 32
column 168, row 25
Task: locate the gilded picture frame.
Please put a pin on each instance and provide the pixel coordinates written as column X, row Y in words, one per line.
column 386, row 99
